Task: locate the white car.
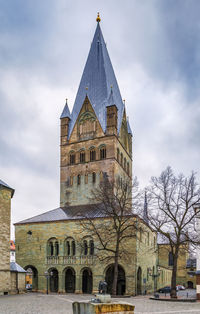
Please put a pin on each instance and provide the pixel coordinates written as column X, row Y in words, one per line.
column 180, row 287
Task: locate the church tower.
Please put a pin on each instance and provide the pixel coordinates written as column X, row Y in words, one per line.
column 96, row 138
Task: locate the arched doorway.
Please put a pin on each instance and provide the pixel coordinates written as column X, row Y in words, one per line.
column 70, row 279
column 53, row 280
column 121, row 280
column 32, row 277
column 190, row 285
column 139, row 281
column 87, row 281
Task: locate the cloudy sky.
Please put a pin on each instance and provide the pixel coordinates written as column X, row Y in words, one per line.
column 154, row 47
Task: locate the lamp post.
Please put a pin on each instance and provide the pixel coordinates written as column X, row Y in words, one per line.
column 155, row 276
column 48, row 275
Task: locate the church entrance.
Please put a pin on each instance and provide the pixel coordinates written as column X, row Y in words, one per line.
column 139, row 281
column 121, row 280
column 54, row 280
column 190, row 285
column 31, row 277
column 70, row 279
column 87, row 281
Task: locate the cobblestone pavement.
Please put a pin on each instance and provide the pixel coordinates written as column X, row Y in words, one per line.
column 35, row 303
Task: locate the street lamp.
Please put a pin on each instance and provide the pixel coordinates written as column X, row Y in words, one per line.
column 48, row 275
column 155, row 276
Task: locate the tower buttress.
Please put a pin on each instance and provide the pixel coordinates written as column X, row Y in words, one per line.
column 111, row 120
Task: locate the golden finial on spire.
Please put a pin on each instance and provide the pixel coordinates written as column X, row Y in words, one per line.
column 124, row 100
column 98, row 18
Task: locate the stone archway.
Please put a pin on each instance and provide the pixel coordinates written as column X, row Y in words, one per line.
column 32, row 276
column 121, row 280
column 139, row 281
column 190, row 285
column 70, row 280
column 53, row 280
column 87, row 281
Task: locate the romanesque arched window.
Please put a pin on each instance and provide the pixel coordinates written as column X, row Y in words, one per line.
column 85, row 247
column 56, row 248
column 73, row 248
column 102, row 152
column 72, row 158
column 82, row 156
column 68, row 247
column 92, row 154
column 52, row 247
column 91, row 247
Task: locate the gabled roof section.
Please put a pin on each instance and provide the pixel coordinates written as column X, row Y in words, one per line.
column 2, row 183
column 66, row 112
column 98, row 77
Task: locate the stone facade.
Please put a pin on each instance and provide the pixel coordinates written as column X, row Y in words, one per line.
column 88, row 138
column 182, row 278
column 5, row 209
column 5, row 204
column 32, row 251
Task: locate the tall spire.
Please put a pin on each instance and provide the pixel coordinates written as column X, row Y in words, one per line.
column 98, row 76
column 66, row 112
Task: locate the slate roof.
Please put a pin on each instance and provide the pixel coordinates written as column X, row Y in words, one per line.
column 129, row 128
column 66, row 112
column 68, row 213
column 2, row 183
column 14, row 267
column 98, row 76
column 65, row 213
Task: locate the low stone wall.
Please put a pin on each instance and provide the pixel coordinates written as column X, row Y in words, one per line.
column 106, row 308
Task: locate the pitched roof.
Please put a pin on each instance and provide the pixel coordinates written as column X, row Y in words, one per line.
column 2, row 183
column 98, row 77
column 16, row 268
column 66, row 112
column 68, row 213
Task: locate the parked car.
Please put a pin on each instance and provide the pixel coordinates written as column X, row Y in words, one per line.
column 165, row 289
column 180, row 287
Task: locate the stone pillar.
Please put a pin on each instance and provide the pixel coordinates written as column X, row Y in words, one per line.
column 78, row 286
column 61, row 286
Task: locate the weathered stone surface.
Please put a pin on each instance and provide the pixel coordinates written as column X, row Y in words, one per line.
column 5, row 203
column 93, row 308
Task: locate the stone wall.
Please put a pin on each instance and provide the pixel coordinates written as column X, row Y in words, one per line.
column 31, row 250
column 5, row 203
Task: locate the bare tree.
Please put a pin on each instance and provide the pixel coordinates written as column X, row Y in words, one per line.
column 171, row 213
column 112, row 221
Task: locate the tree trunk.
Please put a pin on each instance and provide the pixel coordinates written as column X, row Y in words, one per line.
column 173, row 293
column 115, row 276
